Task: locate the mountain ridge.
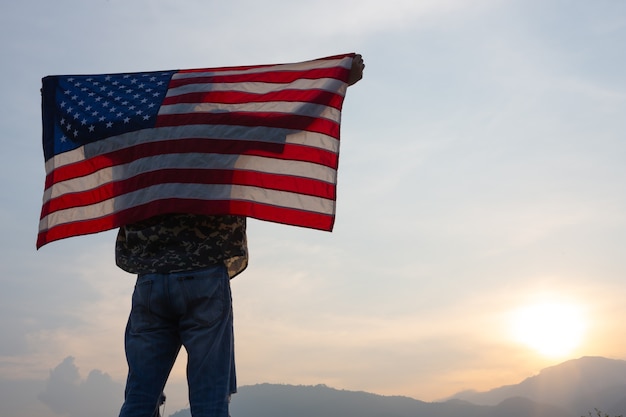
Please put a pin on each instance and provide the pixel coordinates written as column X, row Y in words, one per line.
column 570, row 389
column 577, row 383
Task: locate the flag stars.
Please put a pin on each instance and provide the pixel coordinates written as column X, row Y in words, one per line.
column 94, row 107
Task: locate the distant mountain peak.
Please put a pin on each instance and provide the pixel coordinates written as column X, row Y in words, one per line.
column 578, row 384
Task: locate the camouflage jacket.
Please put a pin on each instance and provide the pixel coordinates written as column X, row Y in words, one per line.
column 182, row 242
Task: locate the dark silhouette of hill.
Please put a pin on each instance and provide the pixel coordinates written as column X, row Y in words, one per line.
column 578, row 385
column 571, row 389
column 271, row 400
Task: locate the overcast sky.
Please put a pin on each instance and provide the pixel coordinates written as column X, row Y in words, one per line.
column 481, row 174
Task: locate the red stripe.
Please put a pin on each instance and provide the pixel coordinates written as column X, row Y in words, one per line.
column 104, row 192
column 245, row 67
column 277, row 76
column 293, row 152
column 266, row 119
column 238, row 208
column 322, row 97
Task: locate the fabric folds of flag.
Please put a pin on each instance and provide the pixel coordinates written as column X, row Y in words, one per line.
column 260, row 141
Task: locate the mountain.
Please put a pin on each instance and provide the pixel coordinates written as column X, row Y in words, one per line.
column 577, row 385
column 272, row 400
column 571, row 389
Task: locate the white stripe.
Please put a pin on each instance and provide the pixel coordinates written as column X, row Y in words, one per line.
column 65, row 158
column 188, row 191
column 299, row 66
column 328, row 84
column 190, row 161
column 226, row 132
column 286, row 107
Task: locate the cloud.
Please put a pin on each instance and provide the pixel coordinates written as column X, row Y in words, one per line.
column 67, row 394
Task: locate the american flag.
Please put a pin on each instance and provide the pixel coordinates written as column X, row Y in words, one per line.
column 259, row 141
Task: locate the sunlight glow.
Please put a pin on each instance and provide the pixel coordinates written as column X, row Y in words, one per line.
column 552, row 329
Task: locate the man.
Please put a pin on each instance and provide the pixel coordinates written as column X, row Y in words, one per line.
column 182, row 297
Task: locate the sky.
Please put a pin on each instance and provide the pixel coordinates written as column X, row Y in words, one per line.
column 481, row 211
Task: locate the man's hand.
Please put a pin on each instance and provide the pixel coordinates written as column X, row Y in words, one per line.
column 356, row 72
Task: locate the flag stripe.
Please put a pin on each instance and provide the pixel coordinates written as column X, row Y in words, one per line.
column 234, row 162
column 265, row 119
column 194, row 147
column 280, row 76
column 242, row 208
column 231, row 133
column 328, row 62
column 329, row 85
column 280, row 107
column 182, row 176
column 191, row 191
column 233, row 97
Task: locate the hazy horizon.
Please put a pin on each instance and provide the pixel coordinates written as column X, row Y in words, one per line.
column 480, row 211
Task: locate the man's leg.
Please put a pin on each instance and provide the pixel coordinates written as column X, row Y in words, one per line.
column 152, row 344
column 207, row 334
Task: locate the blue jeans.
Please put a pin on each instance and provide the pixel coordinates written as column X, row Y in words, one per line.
column 192, row 309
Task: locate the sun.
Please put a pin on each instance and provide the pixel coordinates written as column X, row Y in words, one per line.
column 552, row 329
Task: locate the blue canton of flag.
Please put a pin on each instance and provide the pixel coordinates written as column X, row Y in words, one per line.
column 88, row 108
